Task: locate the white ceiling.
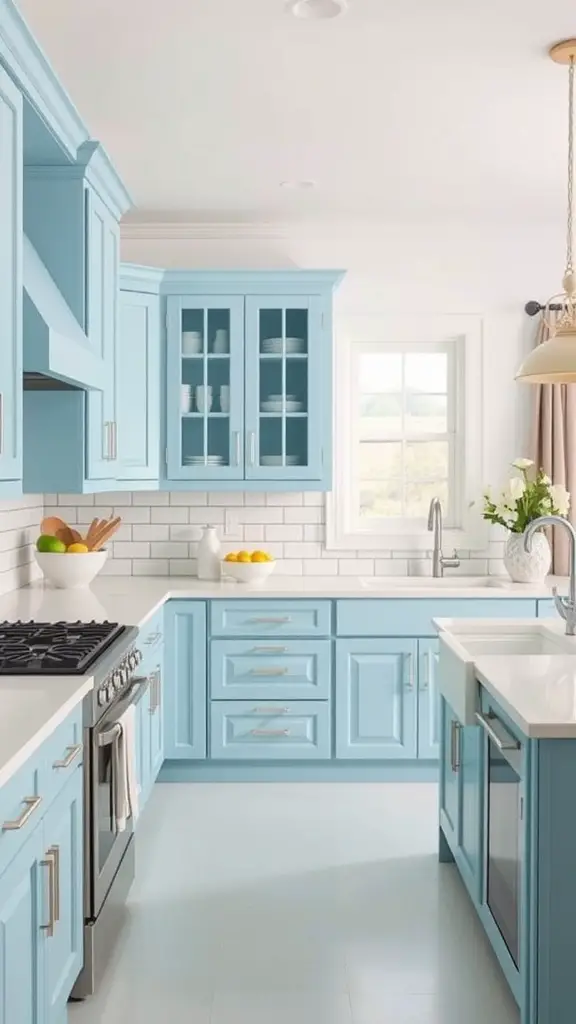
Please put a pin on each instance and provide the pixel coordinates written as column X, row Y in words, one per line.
column 399, row 110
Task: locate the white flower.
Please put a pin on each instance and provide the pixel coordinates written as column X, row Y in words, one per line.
column 523, row 463
column 516, row 488
column 560, row 498
column 546, row 480
column 506, row 514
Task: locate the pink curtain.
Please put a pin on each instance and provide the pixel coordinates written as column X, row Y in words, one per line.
column 554, row 447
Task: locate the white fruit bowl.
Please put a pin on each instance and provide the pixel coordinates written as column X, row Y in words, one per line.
column 248, row 572
column 70, row 571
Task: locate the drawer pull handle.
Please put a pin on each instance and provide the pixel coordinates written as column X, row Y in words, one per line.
column 270, row 732
column 271, row 671
column 279, row 621
column 32, row 803
column 271, row 711
column 71, row 756
column 269, row 650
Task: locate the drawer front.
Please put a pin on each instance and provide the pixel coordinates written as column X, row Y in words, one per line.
column 151, row 633
column 242, row 731
column 61, row 754
column 254, row 669
column 413, row 617
column 270, row 618
column 21, row 802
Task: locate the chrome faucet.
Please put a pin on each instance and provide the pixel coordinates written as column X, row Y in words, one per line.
column 566, row 607
column 439, row 563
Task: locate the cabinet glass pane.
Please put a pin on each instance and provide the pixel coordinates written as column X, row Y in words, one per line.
column 283, row 390
column 205, row 387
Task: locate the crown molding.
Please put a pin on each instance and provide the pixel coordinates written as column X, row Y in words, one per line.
column 186, row 230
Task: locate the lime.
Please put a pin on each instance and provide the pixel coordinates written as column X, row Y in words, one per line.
column 50, row 544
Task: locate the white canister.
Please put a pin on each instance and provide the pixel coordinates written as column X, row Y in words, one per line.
column 225, row 398
column 208, row 555
column 204, row 397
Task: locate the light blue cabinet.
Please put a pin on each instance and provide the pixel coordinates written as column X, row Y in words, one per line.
column 376, row 699
column 184, row 703
column 428, row 700
column 461, row 793
column 64, row 947
column 136, row 429
column 205, row 387
column 22, row 914
column 10, row 285
column 288, row 374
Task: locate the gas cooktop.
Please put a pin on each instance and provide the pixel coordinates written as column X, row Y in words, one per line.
column 54, row 648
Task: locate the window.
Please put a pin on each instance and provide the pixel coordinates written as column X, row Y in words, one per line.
column 404, row 433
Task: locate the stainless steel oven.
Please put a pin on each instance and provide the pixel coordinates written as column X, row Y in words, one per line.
column 504, row 841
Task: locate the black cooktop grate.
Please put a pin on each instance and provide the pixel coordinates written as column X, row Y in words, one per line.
column 53, row 648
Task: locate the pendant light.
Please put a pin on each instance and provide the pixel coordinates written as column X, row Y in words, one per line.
column 554, row 361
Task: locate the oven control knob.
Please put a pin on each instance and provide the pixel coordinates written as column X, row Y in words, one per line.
column 132, row 661
column 125, row 674
column 117, row 680
column 110, row 691
column 101, row 696
column 137, row 657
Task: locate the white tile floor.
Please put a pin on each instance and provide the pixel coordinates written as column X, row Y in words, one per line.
column 297, row 904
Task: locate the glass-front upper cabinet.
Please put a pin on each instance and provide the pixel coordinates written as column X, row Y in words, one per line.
column 283, row 389
column 205, row 392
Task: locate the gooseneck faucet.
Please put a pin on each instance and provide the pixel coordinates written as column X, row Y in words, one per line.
column 439, row 563
column 566, row 607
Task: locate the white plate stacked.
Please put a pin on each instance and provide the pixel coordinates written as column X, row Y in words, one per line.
column 201, row 460
column 274, row 346
column 277, row 460
column 274, row 404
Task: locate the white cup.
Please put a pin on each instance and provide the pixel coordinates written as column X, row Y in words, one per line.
column 204, row 398
column 185, row 398
column 221, row 342
column 191, row 343
column 225, row 398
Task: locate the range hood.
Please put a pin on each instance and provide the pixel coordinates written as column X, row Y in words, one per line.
column 55, row 346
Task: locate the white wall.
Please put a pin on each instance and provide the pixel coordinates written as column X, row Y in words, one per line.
column 484, row 270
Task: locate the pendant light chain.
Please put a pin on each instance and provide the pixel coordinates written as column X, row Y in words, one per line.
column 570, row 235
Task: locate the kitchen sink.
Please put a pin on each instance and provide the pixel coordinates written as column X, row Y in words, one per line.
column 463, row 642
column 434, row 583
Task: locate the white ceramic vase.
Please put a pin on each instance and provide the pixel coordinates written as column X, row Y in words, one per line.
column 208, row 555
column 527, row 566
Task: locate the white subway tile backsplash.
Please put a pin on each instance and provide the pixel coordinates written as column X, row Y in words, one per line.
column 161, row 530
column 19, row 528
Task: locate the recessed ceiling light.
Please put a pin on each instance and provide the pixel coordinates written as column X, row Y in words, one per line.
column 306, row 183
column 317, row 9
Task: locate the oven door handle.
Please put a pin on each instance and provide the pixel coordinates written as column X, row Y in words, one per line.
column 132, row 696
column 497, row 732
column 106, row 739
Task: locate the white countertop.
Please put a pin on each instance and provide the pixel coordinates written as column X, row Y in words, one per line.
column 537, row 691
column 133, row 599
column 32, row 707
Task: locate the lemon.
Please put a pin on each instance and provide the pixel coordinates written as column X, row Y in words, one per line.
column 46, row 543
column 243, row 556
column 232, row 557
column 77, row 549
column 259, row 556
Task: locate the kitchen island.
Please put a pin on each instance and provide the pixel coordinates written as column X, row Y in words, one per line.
column 507, row 784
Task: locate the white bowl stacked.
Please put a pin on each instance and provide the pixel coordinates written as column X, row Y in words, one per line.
column 67, row 572
column 248, row 572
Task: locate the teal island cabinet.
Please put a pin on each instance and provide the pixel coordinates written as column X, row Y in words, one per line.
column 506, row 822
column 259, row 688
column 41, row 880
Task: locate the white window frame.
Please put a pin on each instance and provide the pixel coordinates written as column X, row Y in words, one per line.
column 410, row 333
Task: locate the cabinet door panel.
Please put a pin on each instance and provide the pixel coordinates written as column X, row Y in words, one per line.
column 64, row 949
column 449, row 798
column 21, row 950
column 185, row 680
column 376, row 699
column 10, row 279
column 469, row 839
column 428, row 700
column 138, row 387
column 157, row 720
column 287, row 379
column 205, row 387
column 102, row 291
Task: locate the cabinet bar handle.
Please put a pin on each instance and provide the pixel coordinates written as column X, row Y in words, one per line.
column 71, row 756
column 55, row 851
column 426, row 673
column 32, row 803
column 270, row 732
column 1, row 423
column 271, row 671
column 455, row 745
column 237, row 446
column 252, row 448
column 497, row 732
column 271, row 711
column 114, row 426
column 50, row 863
column 275, row 621
column 107, row 440
column 270, row 650
column 410, row 666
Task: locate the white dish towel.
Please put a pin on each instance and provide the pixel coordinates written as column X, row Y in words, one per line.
column 127, row 789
